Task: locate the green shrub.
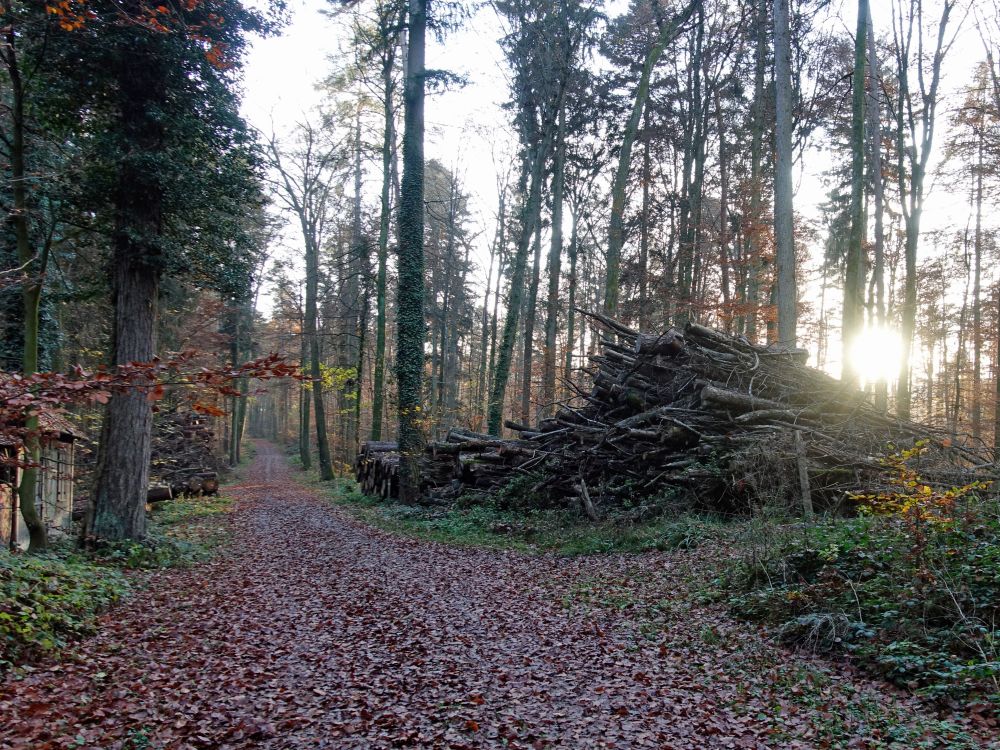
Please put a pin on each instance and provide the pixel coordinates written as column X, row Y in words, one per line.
column 915, row 600
column 50, row 599
column 181, row 533
column 47, row 600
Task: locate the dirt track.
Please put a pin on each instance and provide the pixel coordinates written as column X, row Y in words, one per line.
column 315, row 631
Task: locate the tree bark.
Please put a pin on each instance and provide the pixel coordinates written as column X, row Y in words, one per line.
column 305, row 452
column 315, row 371
column 532, row 173
column 874, row 120
column 573, row 282
column 977, row 312
column 755, row 230
column 122, row 474
column 529, row 325
column 31, row 292
column 908, row 116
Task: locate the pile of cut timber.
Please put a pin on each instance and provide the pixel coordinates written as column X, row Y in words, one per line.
column 182, row 457
column 464, row 459
column 701, row 417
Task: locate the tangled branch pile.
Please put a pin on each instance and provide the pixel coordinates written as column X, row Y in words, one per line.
column 700, row 417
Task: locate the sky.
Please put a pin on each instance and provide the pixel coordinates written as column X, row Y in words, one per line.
column 466, row 128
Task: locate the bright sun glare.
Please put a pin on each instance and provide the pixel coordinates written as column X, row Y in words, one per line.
column 876, row 354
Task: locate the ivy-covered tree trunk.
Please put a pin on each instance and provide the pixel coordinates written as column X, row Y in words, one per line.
column 410, row 302
column 532, row 174
column 571, row 305
column 122, row 475
column 529, row 325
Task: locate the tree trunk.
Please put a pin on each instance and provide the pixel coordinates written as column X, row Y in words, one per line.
column 977, row 312
column 854, row 278
column 874, row 120
column 996, row 380
column 783, row 209
column 725, row 281
column 533, row 171
column 571, row 312
column 305, row 453
column 486, row 349
column 755, row 230
column 529, row 325
column 315, row 371
column 410, row 298
column 122, row 473
column 234, row 403
column 908, row 114
column 388, row 147
column 555, row 260
column 643, row 316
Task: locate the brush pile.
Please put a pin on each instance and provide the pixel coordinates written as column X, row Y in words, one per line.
column 700, row 417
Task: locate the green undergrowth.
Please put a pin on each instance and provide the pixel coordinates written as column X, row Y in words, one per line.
column 181, row 533
column 859, row 720
column 482, row 522
column 48, row 600
column 914, row 602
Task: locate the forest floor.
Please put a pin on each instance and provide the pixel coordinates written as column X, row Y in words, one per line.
column 315, row 630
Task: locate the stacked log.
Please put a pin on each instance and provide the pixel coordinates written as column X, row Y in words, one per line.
column 182, row 453
column 704, row 417
column 377, row 468
column 463, row 459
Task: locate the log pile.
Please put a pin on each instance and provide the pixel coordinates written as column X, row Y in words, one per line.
column 463, row 460
column 183, row 458
column 700, row 417
column 377, row 468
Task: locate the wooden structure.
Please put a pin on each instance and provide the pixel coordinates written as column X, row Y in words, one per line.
column 55, row 483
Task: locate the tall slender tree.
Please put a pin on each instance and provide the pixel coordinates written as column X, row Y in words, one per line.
column 785, row 290
column 854, row 279
column 410, row 326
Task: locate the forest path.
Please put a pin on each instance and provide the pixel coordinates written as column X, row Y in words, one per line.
column 316, row 631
